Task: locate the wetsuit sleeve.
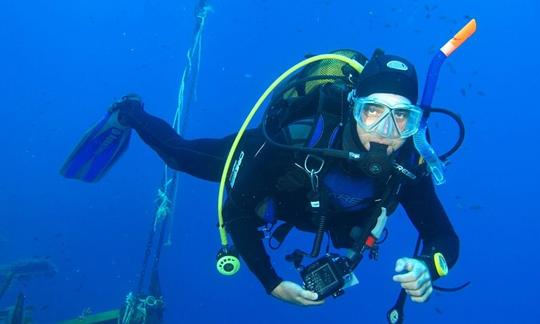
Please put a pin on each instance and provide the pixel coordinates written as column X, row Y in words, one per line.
column 255, row 181
column 426, row 212
column 201, row 158
column 243, row 225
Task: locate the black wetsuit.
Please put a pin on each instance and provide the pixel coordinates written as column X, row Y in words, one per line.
column 264, row 173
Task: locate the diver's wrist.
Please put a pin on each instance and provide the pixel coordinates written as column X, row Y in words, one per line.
column 271, row 286
column 436, row 264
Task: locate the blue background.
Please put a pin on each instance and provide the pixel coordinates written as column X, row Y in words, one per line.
column 63, row 62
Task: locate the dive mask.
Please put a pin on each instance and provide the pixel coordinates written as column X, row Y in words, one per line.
column 390, row 120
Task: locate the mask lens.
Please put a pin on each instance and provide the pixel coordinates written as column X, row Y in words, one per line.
column 373, row 113
column 407, row 120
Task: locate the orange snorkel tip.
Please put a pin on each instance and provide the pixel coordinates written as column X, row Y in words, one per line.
column 459, row 38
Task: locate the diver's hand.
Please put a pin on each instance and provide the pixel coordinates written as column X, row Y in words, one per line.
column 416, row 281
column 292, row 293
column 128, row 107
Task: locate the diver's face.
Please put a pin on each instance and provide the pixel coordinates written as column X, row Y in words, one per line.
column 368, row 137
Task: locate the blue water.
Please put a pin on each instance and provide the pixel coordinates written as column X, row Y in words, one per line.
column 63, row 62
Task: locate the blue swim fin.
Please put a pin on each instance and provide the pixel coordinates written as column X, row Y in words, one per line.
column 98, row 150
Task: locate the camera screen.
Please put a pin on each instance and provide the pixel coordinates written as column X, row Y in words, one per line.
column 321, row 278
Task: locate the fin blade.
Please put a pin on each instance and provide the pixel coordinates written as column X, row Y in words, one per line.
column 98, row 150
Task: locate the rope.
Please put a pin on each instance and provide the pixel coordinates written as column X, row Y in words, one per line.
column 166, row 196
column 188, row 85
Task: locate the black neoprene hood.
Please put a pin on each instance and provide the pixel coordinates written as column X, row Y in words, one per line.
column 388, row 74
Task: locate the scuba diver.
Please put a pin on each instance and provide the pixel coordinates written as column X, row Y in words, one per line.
column 278, row 174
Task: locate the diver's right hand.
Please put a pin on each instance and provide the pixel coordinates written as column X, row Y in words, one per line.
column 292, row 293
column 128, row 108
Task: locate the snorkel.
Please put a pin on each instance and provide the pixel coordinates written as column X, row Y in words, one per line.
column 421, row 143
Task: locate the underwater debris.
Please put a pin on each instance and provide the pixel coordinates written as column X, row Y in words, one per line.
column 29, row 268
column 18, row 313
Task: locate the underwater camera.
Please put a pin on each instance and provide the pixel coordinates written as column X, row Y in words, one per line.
column 328, row 276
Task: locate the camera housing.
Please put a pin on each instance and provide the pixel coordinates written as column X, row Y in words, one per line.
column 328, row 276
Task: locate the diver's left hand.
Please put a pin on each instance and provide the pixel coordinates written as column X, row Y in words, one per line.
column 416, row 281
